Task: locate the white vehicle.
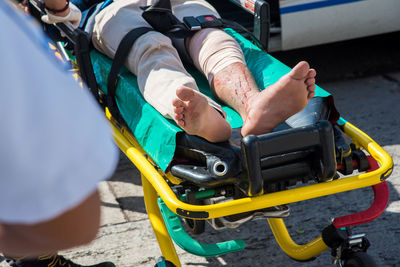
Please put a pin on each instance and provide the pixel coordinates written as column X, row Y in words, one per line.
column 302, row 23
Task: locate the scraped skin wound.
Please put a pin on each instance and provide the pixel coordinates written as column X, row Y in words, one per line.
column 194, row 114
column 262, row 111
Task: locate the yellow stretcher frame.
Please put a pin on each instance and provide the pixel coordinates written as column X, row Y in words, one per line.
column 154, row 186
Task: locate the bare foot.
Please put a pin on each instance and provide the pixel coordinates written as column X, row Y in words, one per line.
column 197, row 117
column 290, row 94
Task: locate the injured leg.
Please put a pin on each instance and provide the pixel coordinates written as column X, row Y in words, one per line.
column 221, row 60
column 262, row 111
column 194, row 114
column 161, row 76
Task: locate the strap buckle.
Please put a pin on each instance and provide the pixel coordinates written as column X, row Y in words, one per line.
column 200, row 22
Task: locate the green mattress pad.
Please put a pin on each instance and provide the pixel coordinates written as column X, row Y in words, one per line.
column 156, row 134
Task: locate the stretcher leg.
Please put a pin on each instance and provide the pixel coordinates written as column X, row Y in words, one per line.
column 293, row 250
column 160, row 230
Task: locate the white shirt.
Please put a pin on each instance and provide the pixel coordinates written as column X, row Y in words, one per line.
column 55, row 144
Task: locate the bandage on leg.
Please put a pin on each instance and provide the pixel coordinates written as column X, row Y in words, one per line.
column 213, row 50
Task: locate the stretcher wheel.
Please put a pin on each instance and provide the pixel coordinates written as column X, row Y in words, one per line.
column 196, row 226
column 162, row 262
column 359, row 259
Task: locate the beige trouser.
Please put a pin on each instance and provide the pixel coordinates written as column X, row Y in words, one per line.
column 153, row 58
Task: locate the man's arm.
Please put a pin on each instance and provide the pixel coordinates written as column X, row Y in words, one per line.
column 58, row 5
column 74, row 227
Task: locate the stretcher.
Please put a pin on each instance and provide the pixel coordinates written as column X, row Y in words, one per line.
column 187, row 180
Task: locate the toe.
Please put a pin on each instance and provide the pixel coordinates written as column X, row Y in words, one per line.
column 178, row 103
column 180, row 123
column 312, row 73
column 179, row 117
column 179, row 110
column 310, row 81
column 300, row 71
column 185, row 93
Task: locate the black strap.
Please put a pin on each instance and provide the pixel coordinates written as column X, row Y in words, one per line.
column 161, row 18
column 119, row 60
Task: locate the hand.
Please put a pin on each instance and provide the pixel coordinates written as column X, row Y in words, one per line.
column 24, row 6
column 74, row 16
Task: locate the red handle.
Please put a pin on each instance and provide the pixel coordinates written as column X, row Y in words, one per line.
column 381, row 199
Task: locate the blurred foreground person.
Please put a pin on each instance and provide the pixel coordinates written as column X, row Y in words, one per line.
column 55, row 146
